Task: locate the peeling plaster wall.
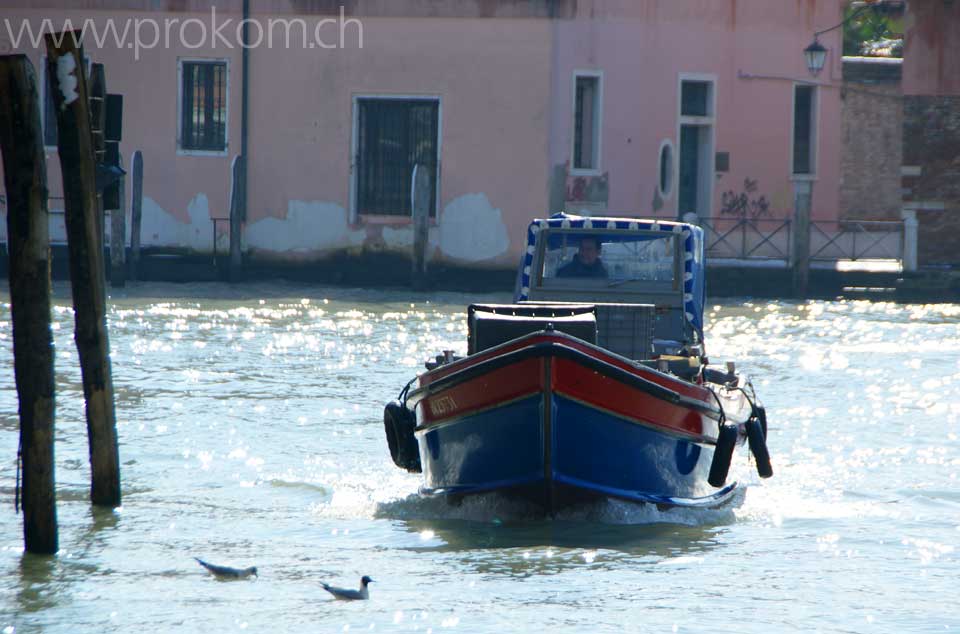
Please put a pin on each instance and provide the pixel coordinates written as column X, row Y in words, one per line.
column 309, row 227
column 505, row 124
column 181, row 192
column 471, row 230
column 159, row 228
column 494, row 141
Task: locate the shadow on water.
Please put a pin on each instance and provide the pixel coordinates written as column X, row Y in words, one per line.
column 530, row 543
column 653, row 539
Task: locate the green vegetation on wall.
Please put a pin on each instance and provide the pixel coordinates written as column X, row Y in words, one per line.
column 873, row 30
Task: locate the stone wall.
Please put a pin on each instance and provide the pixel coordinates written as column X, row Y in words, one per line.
column 872, row 150
column 931, row 181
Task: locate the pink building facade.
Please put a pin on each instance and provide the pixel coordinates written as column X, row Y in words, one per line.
column 513, row 109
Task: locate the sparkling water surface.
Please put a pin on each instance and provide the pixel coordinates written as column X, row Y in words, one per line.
column 250, row 422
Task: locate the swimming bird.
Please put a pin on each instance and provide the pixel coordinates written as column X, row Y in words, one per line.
column 344, row 594
column 226, row 572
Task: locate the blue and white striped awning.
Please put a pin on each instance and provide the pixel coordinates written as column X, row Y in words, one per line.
column 692, row 239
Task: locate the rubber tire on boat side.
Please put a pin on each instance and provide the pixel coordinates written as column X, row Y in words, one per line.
column 722, row 455
column 398, row 424
column 758, row 444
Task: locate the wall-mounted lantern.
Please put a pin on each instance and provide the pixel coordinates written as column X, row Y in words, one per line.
column 816, row 55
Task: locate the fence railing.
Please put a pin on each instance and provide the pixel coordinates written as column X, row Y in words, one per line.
column 747, row 238
column 770, row 239
column 856, row 240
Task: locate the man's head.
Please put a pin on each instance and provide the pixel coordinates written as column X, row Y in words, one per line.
column 589, row 250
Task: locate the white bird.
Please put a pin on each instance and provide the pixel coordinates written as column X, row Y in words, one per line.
column 345, row 594
column 226, row 572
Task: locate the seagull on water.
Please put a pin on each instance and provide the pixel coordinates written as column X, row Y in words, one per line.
column 226, row 572
column 345, row 594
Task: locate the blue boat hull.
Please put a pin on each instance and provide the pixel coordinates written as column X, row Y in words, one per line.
column 580, row 454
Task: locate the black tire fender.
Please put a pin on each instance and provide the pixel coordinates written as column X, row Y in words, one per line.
column 722, row 455
column 398, row 425
column 757, row 438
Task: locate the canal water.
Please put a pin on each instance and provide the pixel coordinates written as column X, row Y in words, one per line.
column 251, row 434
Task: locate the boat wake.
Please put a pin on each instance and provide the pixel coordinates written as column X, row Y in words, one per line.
column 496, row 509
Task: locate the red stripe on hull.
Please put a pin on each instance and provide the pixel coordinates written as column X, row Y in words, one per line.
column 491, row 389
column 581, row 383
column 682, row 387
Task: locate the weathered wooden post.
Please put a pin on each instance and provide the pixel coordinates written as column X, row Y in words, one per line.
column 114, row 194
column 98, row 122
column 237, row 191
column 420, row 202
column 910, row 230
column 118, row 235
column 136, row 209
column 25, row 176
column 800, row 251
column 68, row 84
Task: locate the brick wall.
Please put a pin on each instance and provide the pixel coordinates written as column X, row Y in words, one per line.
column 872, row 150
column 931, row 142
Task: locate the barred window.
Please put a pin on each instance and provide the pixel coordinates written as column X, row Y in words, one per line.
column 394, row 136
column 203, row 106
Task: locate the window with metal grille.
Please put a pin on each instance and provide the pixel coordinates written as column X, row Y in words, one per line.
column 394, row 136
column 203, row 106
column 804, row 129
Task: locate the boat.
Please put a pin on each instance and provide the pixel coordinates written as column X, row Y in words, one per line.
column 593, row 384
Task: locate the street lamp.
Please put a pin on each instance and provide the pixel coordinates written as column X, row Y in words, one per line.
column 816, row 56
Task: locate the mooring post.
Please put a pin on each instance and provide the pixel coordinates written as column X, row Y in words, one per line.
column 28, row 242
column 68, row 84
column 97, row 95
column 910, row 230
column 114, row 194
column 420, row 201
column 136, row 209
column 800, row 253
column 237, row 191
column 118, row 235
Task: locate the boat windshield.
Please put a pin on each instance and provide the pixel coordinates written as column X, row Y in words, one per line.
column 617, row 258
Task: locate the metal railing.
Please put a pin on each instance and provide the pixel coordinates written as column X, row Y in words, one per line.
column 747, row 238
column 856, row 240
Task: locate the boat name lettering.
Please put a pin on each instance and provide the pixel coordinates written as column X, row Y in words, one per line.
column 442, row 405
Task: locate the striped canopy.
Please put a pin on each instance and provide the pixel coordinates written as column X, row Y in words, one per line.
column 694, row 287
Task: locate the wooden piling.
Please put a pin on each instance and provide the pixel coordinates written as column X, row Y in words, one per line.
column 420, row 201
column 237, row 205
column 97, row 94
column 68, row 84
column 28, row 242
column 136, row 209
column 800, row 252
column 118, row 237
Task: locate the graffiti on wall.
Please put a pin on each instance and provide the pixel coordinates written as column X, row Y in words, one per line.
column 745, row 204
